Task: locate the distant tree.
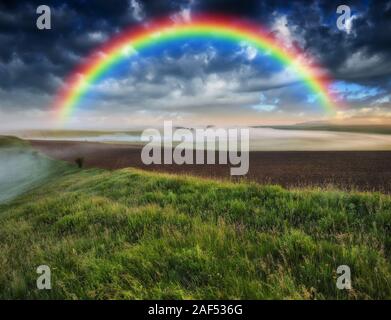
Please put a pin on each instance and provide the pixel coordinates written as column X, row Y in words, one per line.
column 80, row 162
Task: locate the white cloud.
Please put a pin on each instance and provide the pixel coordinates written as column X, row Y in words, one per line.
column 282, row 78
column 266, row 104
column 383, row 100
column 184, row 14
column 286, row 33
column 360, row 60
column 248, row 51
column 137, row 10
column 97, row 36
column 361, row 64
column 264, row 107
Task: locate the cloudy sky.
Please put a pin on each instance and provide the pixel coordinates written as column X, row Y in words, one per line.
column 194, row 82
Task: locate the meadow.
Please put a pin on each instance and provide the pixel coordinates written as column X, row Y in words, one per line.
column 133, row 234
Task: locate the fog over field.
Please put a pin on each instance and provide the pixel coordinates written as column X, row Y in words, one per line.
column 20, row 169
column 261, row 139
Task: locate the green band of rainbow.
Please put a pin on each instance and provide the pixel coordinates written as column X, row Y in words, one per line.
column 103, row 59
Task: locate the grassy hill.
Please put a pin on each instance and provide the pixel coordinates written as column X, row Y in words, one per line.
column 9, row 141
column 130, row 234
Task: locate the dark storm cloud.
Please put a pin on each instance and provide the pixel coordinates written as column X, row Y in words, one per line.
column 37, row 61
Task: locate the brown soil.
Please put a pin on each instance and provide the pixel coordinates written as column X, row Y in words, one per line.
column 361, row 170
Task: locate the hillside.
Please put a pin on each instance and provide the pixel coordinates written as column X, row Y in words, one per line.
column 23, row 168
column 9, row 141
column 130, row 234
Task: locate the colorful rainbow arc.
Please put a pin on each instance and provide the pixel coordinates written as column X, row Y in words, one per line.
column 226, row 28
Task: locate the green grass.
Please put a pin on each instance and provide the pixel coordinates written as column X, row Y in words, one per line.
column 10, row 141
column 130, row 234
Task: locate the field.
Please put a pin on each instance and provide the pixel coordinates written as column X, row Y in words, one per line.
column 133, row 234
column 349, row 170
column 376, row 129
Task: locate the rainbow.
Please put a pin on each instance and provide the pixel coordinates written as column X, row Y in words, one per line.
column 160, row 31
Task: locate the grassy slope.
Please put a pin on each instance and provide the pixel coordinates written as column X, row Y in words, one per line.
column 9, row 141
column 133, row 234
column 22, row 168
